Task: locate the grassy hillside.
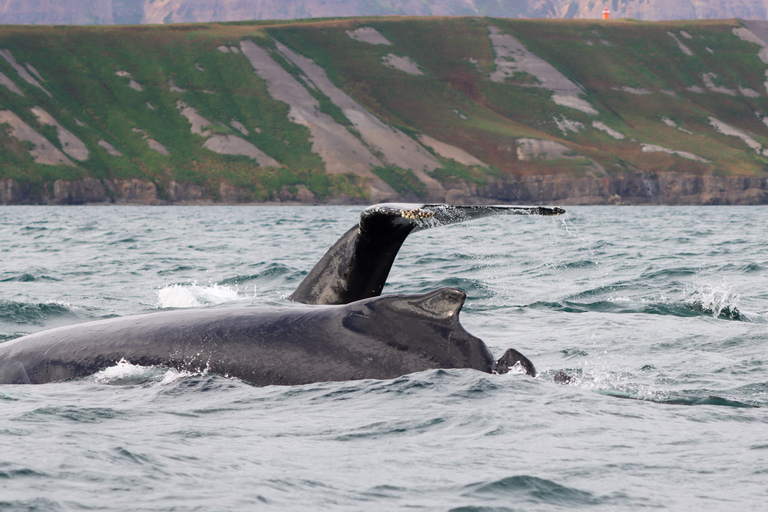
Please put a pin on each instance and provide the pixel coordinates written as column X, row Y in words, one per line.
column 641, row 83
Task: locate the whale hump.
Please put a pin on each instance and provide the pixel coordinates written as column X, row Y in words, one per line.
column 443, row 304
column 357, row 265
column 424, row 325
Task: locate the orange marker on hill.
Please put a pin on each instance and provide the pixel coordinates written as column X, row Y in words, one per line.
column 606, row 14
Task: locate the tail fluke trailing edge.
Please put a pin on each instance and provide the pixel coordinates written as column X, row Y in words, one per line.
column 357, row 265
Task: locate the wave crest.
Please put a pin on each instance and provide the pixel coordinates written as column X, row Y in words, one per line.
column 194, row 295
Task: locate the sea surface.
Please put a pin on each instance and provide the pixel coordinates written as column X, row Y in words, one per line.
column 660, row 315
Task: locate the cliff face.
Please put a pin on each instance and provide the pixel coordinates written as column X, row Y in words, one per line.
column 187, row 11
column 636, row 189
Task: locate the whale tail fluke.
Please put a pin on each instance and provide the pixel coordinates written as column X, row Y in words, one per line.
column 357, row 265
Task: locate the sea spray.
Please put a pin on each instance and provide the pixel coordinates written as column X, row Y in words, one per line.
column 193, row 295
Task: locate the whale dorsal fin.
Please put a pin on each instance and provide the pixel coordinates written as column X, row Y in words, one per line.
column 357, row 265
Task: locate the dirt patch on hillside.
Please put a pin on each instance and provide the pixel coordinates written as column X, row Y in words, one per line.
column 234, row 145
column 34, row 71
column 403, row 63
column 538, row 149
column 680, row 44
column 395, row 147
column 512, row 57
column 175, row 88
column 133, row 84
column 755, row 32
column 71, row 145
column 23, row 73
column 669, row 122
column 368, row 35
column 224, row 144
column 708, row 79
column 452, row 152
column 152, row 143
column 727, row 129
column 652, row 148
column 197, row 121
column 237, row 125
column 4, row 80
column 565, row 125
column 341, row 151
column 607, row 129
column 44, row 151
column 110, row 148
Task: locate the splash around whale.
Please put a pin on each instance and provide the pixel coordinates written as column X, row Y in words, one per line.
column 338, row 327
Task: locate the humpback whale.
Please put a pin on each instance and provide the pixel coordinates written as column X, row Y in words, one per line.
column 338, row 327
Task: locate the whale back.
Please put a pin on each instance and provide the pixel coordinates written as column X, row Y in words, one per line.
column 376, row 338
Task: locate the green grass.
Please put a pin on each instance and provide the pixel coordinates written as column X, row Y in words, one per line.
column 402, row 180
column 453, row 101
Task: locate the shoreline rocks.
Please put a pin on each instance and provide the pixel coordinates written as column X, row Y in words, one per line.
column 628, row 189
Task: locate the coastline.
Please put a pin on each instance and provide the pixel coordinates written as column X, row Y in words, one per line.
column 640, row 188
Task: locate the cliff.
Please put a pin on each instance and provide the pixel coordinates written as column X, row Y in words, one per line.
column 383, row 109
column 638, row 189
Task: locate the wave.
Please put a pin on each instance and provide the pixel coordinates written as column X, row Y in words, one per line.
column 28, row 278
column 270, row 272
column 716, row 302
column 25, row 313
column 675, row 309
column 9, row 474
column 193, row 295
column 71, row 414
column 124, row 374
column 625, row 386
column 534, row 489
column 706, row 400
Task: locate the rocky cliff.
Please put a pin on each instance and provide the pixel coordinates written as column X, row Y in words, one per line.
column 635, row 189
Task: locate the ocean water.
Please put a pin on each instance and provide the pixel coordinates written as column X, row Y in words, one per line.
column 660, row 315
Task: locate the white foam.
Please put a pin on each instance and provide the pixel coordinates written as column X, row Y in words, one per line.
column 194, row 295
column 715, row 299
column 124, row 372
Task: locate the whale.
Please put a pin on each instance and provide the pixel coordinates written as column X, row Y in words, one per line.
column 336, row 327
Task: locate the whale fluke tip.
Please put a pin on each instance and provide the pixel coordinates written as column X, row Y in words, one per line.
column 358, row 264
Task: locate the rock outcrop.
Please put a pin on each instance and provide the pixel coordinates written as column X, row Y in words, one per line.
column 640, row 188
column 631, row 189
